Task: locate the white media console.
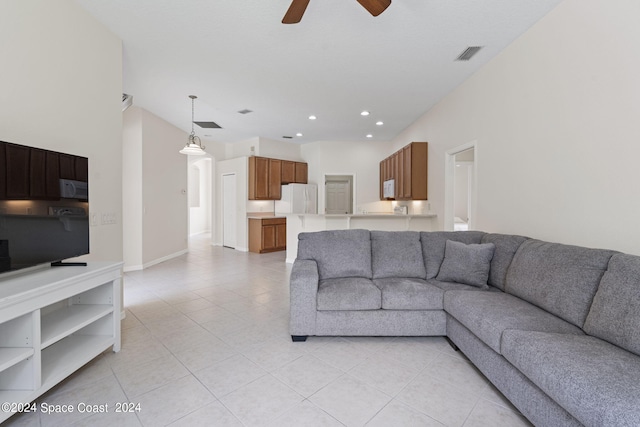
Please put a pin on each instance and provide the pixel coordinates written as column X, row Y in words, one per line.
column 52, row 322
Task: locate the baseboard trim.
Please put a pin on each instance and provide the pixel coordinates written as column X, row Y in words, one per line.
column 155, row 261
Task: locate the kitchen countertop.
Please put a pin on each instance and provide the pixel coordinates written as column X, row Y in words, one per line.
column 263, row 215
column 372, row 215
column 383, row 221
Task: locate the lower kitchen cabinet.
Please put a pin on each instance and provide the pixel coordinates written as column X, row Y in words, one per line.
column 267, row 234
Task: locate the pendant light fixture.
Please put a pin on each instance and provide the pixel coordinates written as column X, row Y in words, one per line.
column 194, row 146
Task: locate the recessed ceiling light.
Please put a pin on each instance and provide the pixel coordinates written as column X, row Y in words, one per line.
column 312, row 117
column 380, row 123
column 298, row 134
column 364, row 113
column 369, row 136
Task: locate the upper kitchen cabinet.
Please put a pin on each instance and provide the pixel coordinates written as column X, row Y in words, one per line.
column 408, row 168
column 28, row 173
column 294, row 172
column 301, row 170
column 74, row 168
column 264, row 178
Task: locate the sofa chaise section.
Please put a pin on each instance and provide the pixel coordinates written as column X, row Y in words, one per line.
column 556, row 328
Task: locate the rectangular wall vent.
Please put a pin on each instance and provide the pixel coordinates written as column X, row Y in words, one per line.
column 468, row 53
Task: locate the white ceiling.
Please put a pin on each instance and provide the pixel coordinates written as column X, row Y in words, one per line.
column 338, row 61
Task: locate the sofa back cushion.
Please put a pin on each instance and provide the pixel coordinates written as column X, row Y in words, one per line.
column 339, row 253
column 615, row 312
column 506, row 247
column 397, row 254
column 434, row 242
column 560, row 279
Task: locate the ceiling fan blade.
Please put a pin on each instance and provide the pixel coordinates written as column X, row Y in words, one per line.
column 295, row 12
column 375, row 7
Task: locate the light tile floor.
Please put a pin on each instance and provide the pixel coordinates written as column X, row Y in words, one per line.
column 205, row 342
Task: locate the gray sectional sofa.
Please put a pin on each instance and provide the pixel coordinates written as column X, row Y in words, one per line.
column 556, row 328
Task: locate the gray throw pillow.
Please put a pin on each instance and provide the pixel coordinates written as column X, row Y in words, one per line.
column 468, row 264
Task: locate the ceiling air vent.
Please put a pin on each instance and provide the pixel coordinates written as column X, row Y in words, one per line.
column 245, row 111
column 208, row 125
column 127, row 101
column 468, row 53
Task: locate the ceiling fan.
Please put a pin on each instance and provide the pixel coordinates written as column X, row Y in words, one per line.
column 297, row 8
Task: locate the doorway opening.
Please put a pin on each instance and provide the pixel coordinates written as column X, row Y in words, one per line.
column 460, row 188
column 339, row 194
column 199, row 196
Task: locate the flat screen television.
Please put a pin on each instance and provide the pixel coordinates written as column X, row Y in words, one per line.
column 44, row 206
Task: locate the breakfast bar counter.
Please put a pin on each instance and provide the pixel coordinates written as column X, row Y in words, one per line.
column 298, row 223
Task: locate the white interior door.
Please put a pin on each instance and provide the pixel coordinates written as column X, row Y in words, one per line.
column 229, row 212
column 338, row 197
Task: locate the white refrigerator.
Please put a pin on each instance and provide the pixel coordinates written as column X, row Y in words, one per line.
column 298, row 198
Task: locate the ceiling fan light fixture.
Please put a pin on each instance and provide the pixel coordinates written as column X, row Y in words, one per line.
column 297, row 8
column 375, row 7
column 194, row 145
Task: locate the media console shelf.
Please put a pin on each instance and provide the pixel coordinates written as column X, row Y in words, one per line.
column 52, row 322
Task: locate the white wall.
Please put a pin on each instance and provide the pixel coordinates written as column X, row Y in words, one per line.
column 555, row 117
column 164, row 189
column 361, row 159
column 279, row 149
column 61, row 86
column 264, row 147
column 132, row 187
column 155, row 190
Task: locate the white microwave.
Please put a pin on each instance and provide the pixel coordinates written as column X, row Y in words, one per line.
column 388, row 189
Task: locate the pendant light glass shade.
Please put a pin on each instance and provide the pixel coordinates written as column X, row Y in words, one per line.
column 194, row 146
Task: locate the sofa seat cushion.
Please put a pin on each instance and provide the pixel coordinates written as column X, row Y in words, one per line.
column 397, row 254
column 615, row 313
column 561, row 279
column 348, row 293
column 409, row 294
column 596, row 382
column 489, row 314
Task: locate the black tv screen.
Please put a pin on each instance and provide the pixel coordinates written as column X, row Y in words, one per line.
column 44, row 206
